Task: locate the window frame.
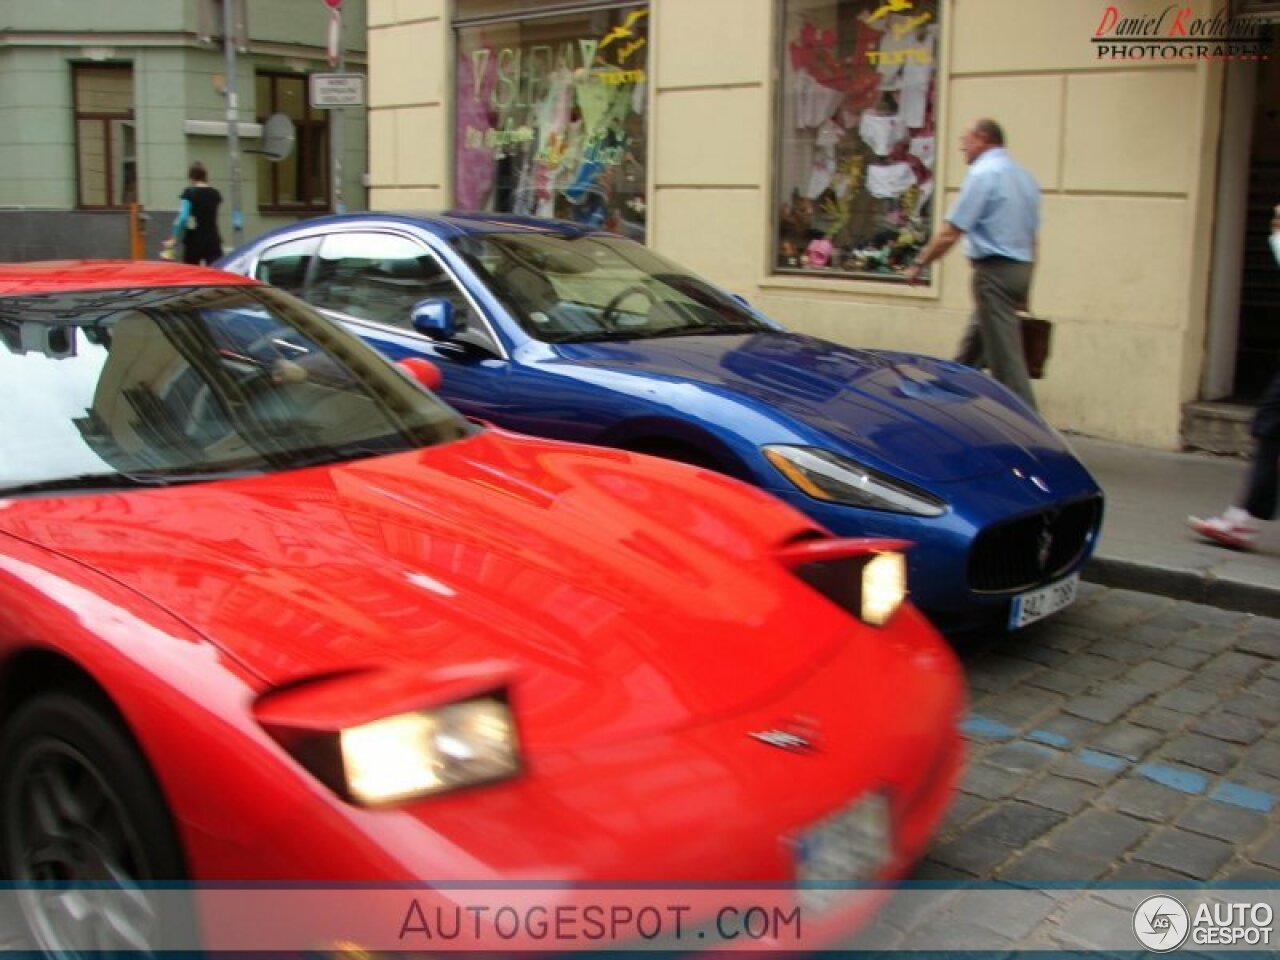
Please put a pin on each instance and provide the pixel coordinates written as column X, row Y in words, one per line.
column 478, row 329
column 269, row 186
column 104, row 120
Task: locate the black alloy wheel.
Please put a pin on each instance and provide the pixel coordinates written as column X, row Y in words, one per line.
column 83, row 830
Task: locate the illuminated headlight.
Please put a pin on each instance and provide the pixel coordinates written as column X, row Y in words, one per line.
column 827, row 476
column 429, row 751
column 870, row 586
column 884, row 587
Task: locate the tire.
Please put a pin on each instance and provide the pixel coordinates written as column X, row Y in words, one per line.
column 82, row 817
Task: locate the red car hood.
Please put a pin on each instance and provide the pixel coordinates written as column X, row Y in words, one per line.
column 618, row 594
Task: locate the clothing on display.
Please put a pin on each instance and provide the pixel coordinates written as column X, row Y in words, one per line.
column 881, row 133
column 890, row 180
column 859, row 87
column 924, row 148
column 550, row 122
column 917, row 75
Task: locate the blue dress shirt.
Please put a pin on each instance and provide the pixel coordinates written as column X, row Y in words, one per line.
column 998, row 208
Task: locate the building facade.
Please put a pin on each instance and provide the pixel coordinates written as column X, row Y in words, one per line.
column 799, row 151
column 106, row 105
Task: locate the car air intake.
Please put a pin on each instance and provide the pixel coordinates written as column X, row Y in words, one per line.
column 1032, row 550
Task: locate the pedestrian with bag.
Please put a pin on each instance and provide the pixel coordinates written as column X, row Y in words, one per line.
column 197, row 222
column 998, row 215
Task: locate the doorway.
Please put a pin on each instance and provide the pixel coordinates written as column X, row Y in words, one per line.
column 1258, row 337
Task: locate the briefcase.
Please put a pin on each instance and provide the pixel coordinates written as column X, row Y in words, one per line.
column 1037, row 333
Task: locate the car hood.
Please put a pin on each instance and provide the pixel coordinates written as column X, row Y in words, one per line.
column 927, row 419
column 612, row 594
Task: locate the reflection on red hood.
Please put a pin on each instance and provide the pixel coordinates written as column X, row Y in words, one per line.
column 622, row 594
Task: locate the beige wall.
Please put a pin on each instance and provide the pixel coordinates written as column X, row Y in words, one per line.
column 1125, row 153
column 409, row 115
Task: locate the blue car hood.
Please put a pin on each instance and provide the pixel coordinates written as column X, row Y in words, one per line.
column 916, row 416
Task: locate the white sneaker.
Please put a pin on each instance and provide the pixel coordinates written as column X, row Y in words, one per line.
column 1235, row 529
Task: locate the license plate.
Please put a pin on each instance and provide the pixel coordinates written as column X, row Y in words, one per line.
column 854, row 844
column 1036, row 604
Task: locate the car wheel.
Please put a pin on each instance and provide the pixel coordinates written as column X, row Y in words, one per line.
column 82, row 824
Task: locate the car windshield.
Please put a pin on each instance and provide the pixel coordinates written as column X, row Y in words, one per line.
column 594, row 287
column 149, row 386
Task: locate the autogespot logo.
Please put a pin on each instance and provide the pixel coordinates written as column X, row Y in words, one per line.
column 1161, row 923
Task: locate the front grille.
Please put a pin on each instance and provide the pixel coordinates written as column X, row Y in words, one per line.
column 1012, row 556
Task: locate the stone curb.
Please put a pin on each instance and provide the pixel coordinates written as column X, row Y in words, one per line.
column 1182, row 584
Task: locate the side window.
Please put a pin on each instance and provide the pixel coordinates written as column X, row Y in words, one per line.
column 379, row 277
column 285, row 266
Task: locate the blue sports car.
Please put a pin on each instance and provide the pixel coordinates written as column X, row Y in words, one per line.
column 555, row 329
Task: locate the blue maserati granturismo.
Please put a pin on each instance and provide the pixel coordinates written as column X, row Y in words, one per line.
column 555, row 329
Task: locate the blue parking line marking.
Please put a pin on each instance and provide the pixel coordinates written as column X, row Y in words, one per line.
column 1103, row 761
column 976, row 725
column 1239, row 795
column 1185, row 781
column 1176, row 778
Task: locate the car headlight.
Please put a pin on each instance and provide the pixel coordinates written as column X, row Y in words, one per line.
column 884, row 587
column 827, row 476
column 429, row 751
column 867, row 578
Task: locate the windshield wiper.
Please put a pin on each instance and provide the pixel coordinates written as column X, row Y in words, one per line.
column 614, row 336
column 90, row 482
column 87, row 482
column 325, row 453
column 710, row 329
column 587, row 337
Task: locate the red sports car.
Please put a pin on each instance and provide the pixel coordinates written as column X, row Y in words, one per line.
column 271, row 611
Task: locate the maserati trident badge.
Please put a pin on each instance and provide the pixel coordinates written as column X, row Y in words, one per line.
column 1044, row 546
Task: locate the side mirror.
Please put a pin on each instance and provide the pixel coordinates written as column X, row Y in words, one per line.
column 423, row 371
column 435, row 319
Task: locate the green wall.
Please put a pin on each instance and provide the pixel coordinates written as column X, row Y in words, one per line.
column 176, row 78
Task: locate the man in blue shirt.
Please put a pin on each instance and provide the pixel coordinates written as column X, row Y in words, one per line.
column 998, row 214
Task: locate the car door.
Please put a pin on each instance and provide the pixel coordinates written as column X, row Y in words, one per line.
column 370, row 281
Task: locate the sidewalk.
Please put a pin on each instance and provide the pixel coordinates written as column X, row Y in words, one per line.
column 1146, row 544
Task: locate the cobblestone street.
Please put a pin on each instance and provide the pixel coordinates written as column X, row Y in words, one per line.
column 1133, row 737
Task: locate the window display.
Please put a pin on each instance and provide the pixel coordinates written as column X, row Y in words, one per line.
column 857, row 135
column 551, row 117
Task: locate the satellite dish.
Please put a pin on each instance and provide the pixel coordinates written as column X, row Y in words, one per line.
column 278, row 136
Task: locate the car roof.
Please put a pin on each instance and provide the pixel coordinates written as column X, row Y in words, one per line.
column 51, row 276
column 448, row 223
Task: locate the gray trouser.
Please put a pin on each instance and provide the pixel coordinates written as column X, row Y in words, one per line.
column 994, row 336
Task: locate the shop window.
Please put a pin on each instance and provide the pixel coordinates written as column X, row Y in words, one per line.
column 550, row 114
column 301, row 180
column 106, row 147
column 857, row 145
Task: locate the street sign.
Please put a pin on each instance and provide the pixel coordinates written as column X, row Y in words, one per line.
column 337, row 90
